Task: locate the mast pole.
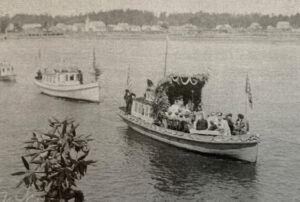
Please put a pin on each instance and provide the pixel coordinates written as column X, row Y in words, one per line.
column 166, row 55
column 246, row 96
column 94, row 59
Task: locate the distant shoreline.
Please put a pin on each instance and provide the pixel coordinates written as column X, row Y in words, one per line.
column 284, row 36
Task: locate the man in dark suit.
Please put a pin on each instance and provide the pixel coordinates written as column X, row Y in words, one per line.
column 241, row 125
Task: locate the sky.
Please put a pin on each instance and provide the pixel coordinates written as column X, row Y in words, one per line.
column 73, row 7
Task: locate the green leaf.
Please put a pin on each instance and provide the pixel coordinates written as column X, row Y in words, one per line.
column 18, row 173
column 25, row 163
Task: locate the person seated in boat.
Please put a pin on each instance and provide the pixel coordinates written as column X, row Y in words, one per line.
column 241, row 125
column 39, row 75
column 190, row 105
column 230, row 123
column 222, row 125
column 201, row 123
column 212, row 125
column 212, row 118
column 184, row 121
column 161, row 120
column 176, row 107
column 80, row 77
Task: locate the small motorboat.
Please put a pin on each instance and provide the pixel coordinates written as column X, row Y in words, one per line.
column 7, row 72
column 67, row 84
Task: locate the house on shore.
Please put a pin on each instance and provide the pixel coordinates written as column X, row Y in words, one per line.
column 183, row 29
column 10, row 27
column 255, row 26
column 27, row 27
column 156, row 28
column 134, row 28
column 146, row 28
column 94, row 26
column 121, row 27
column 78, row 27
column 226, row 28
column 283, row 26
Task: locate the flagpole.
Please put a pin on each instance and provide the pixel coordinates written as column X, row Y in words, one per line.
column 246, row 103
column 94, row 59
column 166, row 55
column 128, row 78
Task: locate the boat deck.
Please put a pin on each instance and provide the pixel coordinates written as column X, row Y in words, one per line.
column 207, row 138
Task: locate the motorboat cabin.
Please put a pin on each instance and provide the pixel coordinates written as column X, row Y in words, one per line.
column 64, row 77
column 7, row 72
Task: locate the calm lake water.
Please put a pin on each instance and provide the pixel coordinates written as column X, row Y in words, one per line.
column 134, row 168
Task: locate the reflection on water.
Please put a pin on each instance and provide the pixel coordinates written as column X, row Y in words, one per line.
column 184, row 174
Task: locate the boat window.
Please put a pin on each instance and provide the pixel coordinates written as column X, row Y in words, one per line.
column 67, row 78
column 3, row 70
column 12, row 69
column 135, row 107
column 72, row 77
column 8, row 69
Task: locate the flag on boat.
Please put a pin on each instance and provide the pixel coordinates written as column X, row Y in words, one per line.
column 149, row 83
column 248, row 92
column 128, row 82
column 166, row 55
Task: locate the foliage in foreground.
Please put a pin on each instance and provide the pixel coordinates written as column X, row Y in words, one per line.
column 55, row 161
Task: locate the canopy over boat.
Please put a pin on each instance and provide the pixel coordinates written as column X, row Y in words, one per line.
column 189, row 87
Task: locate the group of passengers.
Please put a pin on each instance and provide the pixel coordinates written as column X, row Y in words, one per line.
column 185, row 117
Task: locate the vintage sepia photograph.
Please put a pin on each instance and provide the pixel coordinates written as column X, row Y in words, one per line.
column 149, row 100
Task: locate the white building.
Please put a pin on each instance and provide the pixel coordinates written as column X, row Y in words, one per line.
column 183, row 29
column 224, row 28
column 283, row 25
column 31, row 26
column 146, row 28
column 255, row 26
column 156, row 28
column 94, row 26
column 10, row 27
column 135, row 28
column 121, row 27
column 78, row 27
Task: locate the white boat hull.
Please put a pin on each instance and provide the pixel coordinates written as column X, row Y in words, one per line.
column 86, row 92
column 245, row 151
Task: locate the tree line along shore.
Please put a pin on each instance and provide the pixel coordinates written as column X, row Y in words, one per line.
column 136, row 21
